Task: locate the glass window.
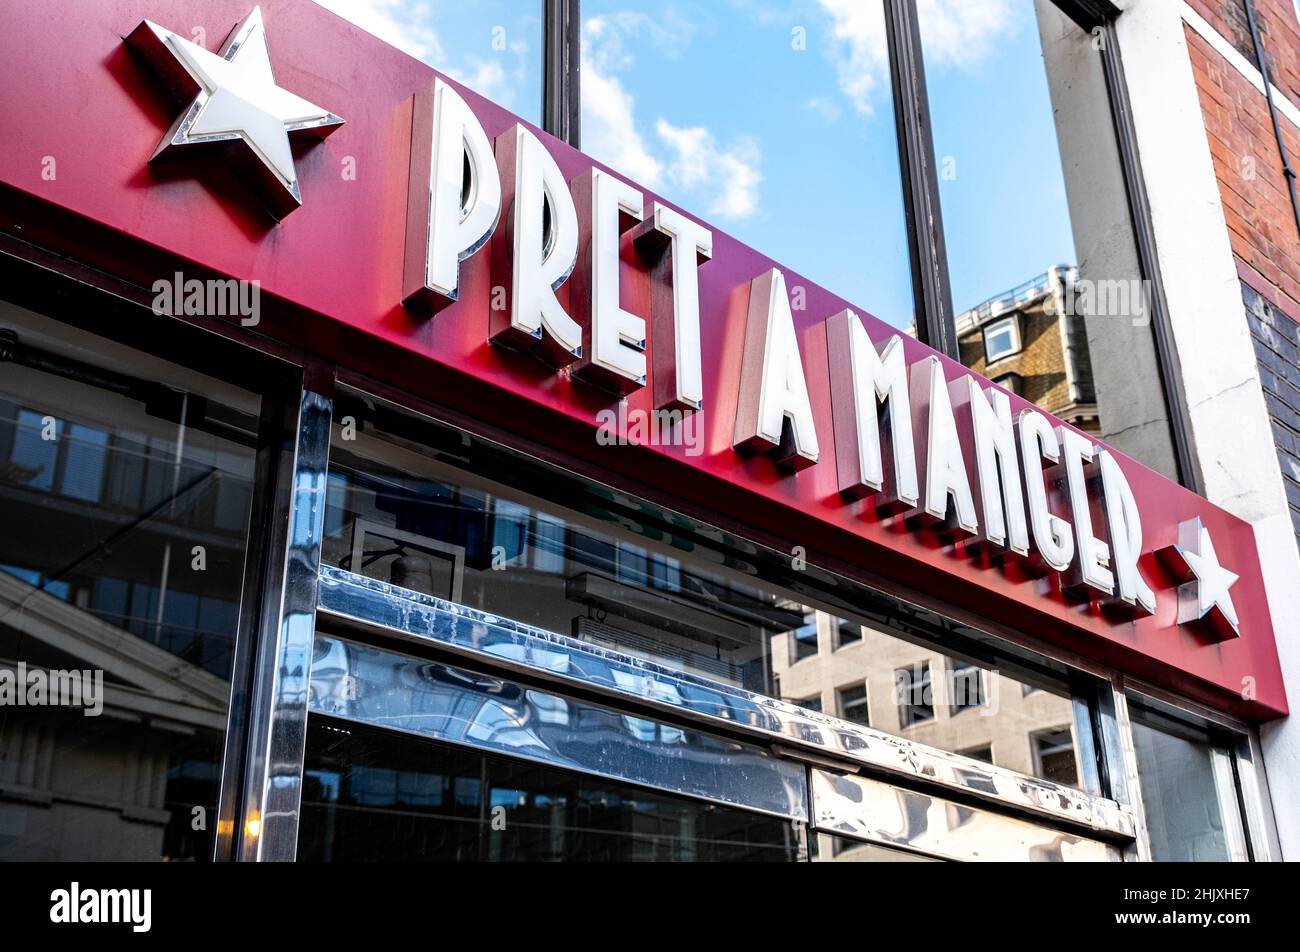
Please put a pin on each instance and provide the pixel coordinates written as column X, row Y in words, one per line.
column 853, row 705
column 370, row 795
column 431, row 508
column 915, row 694
column 1054, row 756
column 1189, row 789
column 492, row 46
column 813, row 703
column 847, row 632
column 124, row 501
column 1036, row 219
column 804, row 639
column 668, row 100
column 1002, row 339
column 966, row 687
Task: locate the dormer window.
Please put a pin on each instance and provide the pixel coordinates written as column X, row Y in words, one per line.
column 1002, row 338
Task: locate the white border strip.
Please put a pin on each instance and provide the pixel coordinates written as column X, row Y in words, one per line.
column 1238, row 62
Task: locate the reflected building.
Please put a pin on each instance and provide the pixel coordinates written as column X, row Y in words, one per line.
column 1032, row 341
column 125, row 488
column 879, row 680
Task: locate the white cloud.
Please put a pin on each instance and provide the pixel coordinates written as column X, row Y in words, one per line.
column 609, row 129
column 402, row 23
column 406, row 24
column 823, row 107
column 686, row 159
column 956, row 33
column 730, row 175
column 961, row 32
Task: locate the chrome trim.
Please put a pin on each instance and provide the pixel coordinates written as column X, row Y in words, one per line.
column 424, row 619
column 1261, row 825
column 877, row 812
column 1225, row 785
column 273, row 785
column 1140, row 848
column 397, row 692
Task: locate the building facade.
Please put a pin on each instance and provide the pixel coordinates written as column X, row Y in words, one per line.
column 389, row 471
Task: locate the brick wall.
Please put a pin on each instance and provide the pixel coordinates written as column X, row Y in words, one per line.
column 1277, row 346
column 1256, row 202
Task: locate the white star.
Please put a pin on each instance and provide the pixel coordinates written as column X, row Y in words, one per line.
column 235, row 99
column 1204, row 595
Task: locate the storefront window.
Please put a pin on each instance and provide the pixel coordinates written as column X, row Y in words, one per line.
column 1046, row 285
column 776, row 128
column 372, row 795
column 430, row 509
column 1189, row 789
column 125, row 488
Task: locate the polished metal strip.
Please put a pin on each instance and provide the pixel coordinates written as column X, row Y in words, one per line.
column 425, row 619
column 1261, row 826
column 396, row 692
column 277, row 732
column 1140, row 848
column 877, row 812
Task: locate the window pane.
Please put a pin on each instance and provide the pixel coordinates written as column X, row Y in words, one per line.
column 853, row 705
column 778, row 129
column 433, row 509
column 371, row 795
column 1036, row 220
column 492, row 46
column 127, row 597
column 1188, row 791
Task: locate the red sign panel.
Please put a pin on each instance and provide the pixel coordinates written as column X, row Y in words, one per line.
column 334, row 273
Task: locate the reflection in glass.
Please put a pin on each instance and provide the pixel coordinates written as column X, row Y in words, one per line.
column 426, row 507
column 1046, row 283
column 829, row 848
column 1188, row 791
column 496, row 715
column 370, row 795
column 124, row 500
column 669, row 101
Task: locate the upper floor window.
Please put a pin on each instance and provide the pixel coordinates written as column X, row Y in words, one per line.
column 847, row 632
column 804, row 639
column 1001, row 339
column 915, row 696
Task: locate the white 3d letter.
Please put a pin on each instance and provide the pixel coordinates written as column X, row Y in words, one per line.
column 1125, row 525
column 540, row 262
column 617, row 337
column 861, row 379
column 1002, row 505
column 1052, row 536
column 1094, row 555
column 447, row 222
column 772, row 384
column 675, row 305
column 945, row 468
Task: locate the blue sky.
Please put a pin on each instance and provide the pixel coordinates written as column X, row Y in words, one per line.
column 773, row 121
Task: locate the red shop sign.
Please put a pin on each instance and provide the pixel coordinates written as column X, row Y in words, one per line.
column 556, row 299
